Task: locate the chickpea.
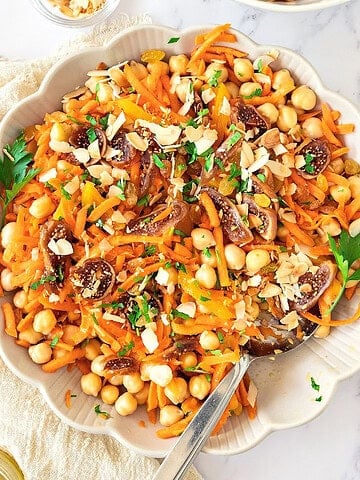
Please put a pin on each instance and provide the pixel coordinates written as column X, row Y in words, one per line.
column 248, row 89
column 145, row 369
column 269, row 111
column 91, row 384
column 20, row 299
column 142, row 396
column 161, row 375
column 116, row 380
column 282, row 233
column 42, row 207
column 44, row 321
column 8, row 234
column 283, row 80
column 68, row 332
column 199, row 386
column 170, row 414
column 202, row 238
column 235, row 256
column 206, row 276
column 354, row 184
column 257, row 259
column 40, row 353
column 208, row 257
column 213, row 71
column 98, row 365
column 92, row 349
column 133, row 383
column 139, row 69
column 340, row 194
column 58, row 352
column 6, row 279
column 188, row 359
column 209, row 340
column 126, row 404
column 104, row 93
column 109, row 394
column 322, row 331
column 233, row 89
column 177, row 390
column 158, row 68
column 331, row 226
column 243, row 69
column 303, row 97
column 338, row 165
column 178, row 64
column 287, row 118
column 29, row 335
column 312, row 128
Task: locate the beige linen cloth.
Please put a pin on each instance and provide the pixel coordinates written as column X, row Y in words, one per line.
column 44, row 446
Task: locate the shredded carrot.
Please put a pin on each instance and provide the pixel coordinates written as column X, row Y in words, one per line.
column 68, row 398
column 221, row 264
column 211, row 38
column 10, row 321
column 66, row 359
column 299, row 234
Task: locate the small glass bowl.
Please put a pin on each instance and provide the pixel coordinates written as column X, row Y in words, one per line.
column 53, row 14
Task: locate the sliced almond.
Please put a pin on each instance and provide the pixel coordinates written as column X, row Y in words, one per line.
column 94, row 150
column 75, row 93
column 61, row 246
column 60, row 147
column 270, row 290
column 137, row 142
column 208, row 95
column 82, row 155
column 49, row 175
column 279, row 169
column 72, row 186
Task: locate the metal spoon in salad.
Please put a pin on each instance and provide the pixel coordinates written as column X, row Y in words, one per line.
column 276, row 341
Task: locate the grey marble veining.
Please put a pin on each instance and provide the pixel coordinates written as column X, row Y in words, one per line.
column 328, row 448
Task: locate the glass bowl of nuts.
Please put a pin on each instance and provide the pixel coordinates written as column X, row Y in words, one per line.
column 76, row 13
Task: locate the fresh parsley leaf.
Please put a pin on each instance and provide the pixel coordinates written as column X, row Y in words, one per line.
column 173, row 40
column 182, row 315
column 220, row 337
column 217, row 353
column 126, row 349
column 157, row 160
column 214, row 80
column 203, row 112
column 260, row 66
column 261, row 177
column 91, row 120
column 318, row 399
column 42, row 281
column 190, row 148
column 207, row 252
column 180, row 233
column 180, row 266
column 204, row 299
column 143, row 201
column 101, row 413
column 149, row 251
column 314, row 385
column 54, row 341
column 104, row 121
column 91, row 134
column 209, row 163
column 113, row 305
column 309, row 167
column 64, row 193
column 256, row 93
column 121, row 184
column 235, row 171
column 219, row 163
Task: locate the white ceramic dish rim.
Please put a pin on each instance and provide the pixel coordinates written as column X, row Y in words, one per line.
column 219, row 444
column 283, row 7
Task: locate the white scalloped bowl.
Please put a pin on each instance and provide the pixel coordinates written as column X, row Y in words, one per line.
column 286, row 398
column 294, row 6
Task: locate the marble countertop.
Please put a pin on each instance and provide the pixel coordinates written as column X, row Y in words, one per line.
column 328, row 448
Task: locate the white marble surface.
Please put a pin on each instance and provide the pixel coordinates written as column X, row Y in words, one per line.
column 328, row 448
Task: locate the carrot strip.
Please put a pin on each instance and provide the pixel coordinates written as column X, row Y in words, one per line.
column 300, row 235
column 140, row 88
column 335, row 178
column 101, row 209
column 221, row 263
column 223, row 37
column 66, row 359
column 68, row 398
column 152, row 400
column 352, row 208
column 177, row 428
column 9, row 317
column 328, row 119
column 339, row 152
column 232, row 51
column 211, row 37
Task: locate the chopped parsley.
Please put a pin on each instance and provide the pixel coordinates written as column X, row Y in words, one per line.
column 256, row 93
column 180, row 266
column 143, row 201
column 149, row 251
column 260, row 66
column 158, row 161
column 91, row 120
column 97, row 89
column 235, row 137
column 314, row 385
column 180, row 233
column 54, row 341
column 134, row 315
column 113, row 305
column 318, row 399
column 126, row 349
column 104, row 121
column 235, row 171
column 173, row 40
column 100, row 412
column 121, row 184
column 214, row 80
column 178, row 314
column 309, row 167
column 204, row 299
column 217, row 352
column 261, row 177
column 74, row 120
column 207, row 252
column 220, row 337
column 64, row 193
column 42, row 281
column 91, row 134
column 219, row 163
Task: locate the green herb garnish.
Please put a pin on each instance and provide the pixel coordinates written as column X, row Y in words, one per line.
column 42, row 281
column 309, row 167
column 101, row 413
column 182, row 315
column 126, row 349
column 180, row 233
column 235, row 137
column 219, row 163
column 157, row 160
column 91, row 134
column 113, row 305
column 207, row 252
column 143, row 201
column 220, row 337
column 204, row 299
column 318, row 399
column 217, row 353
column 256, row 93
column 149, row 251
column 74, row 120
column 54, row 341
column 214, row 80
column 104, row 121
column 261, row 177
column 314, row 385
column 180, row 266
column 173, row 40
column 91, row 120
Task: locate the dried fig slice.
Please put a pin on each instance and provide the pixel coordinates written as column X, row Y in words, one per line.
column 121, row 365
column 93, row 279
column 248, row 116
column 268, row 217
column 317, row 156
column 318, row 282
column 126, row 151
column 231, row 219
column 82, row 138
column 181, row 345
column 262, row 187
column 146, row 225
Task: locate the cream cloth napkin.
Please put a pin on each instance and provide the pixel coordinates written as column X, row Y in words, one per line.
column 44, row 446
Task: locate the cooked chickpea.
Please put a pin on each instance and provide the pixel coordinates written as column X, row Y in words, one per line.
column 145, row 369
column 340, row 194
column 29, row 335
column 217, row 70
column 126, row 404
column 249, row 89
column 233, row 89
column 139, row 69
column 243, row 69
column 312, row 128
column 269, row 111
column 170, row 414
column 8, row 234
column 303, row 97
column 354, row 184
column 235, row 256
column 133, row 383
column 199, row 386
column 104, row 93
column 158, row 68
column 98, row 365
column 7, row 280
column 20, row 299
column 109, row 394
column 91, row 384
column 188, row 359
column 337, row 165
column 208, row 257
column 283, row 80
column 44, row 321
column 40, row 353
column 161, row 375
column 92, row 349
column 68, row 332
column 257, row 259
column 287, row 118
column 331, row 226
column 282, row 233
column 42, row 207
column 206, row 276
column 202, row 238
column 209, row 340
column 142, row 396
column 177, row 390
column 116, row 380
column 178, row 64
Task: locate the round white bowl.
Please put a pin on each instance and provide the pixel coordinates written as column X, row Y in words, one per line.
column 286, row 398
column 292, row 7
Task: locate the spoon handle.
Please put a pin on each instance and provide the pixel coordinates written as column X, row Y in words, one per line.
column 199, row 429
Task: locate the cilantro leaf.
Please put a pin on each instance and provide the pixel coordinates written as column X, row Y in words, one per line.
column 126, row 349
column 101, row 413
column 214, row 80
column 173, row 40
column 256, row 93
column 314, row 385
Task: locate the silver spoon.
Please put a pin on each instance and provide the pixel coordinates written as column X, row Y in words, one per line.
column 189, row 445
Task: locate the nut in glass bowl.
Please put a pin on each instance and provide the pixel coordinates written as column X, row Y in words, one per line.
column 76, row 13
